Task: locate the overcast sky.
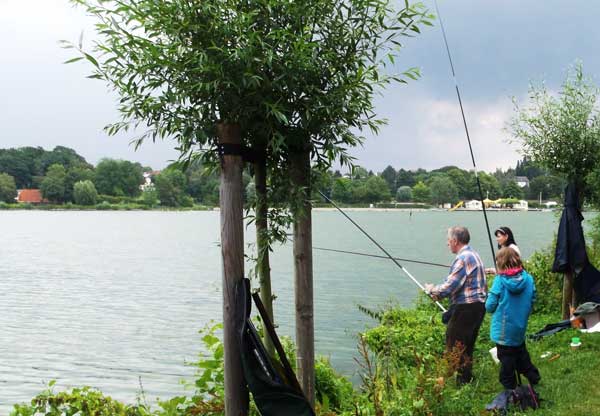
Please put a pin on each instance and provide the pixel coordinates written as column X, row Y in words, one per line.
column 498, row 47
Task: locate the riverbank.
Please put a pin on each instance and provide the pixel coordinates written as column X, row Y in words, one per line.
column 104, row 206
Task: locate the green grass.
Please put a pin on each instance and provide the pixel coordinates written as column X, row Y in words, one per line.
column 569, row 384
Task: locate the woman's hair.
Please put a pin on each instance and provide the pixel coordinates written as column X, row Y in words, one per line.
column 508, row 233
column 507, row 258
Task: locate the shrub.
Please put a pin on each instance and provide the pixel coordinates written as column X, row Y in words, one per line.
column 84, row 193
column 548, row 284
column 78, row 401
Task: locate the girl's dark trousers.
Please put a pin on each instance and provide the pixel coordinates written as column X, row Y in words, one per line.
column 513, row 359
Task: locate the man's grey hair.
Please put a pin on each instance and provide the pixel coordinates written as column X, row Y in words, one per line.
column 461, row 234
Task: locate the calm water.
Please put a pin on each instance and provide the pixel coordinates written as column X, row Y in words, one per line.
column 111, row 298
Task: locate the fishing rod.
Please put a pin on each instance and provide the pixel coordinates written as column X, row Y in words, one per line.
column 462, row 112
column 389, row 256
column 381, row 257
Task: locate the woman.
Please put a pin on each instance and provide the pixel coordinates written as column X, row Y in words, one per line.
column 504, row 238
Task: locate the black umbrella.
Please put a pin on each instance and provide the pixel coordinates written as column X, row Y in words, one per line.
column 570, row 255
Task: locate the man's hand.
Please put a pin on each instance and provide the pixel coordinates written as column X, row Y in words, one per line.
column 428, row 288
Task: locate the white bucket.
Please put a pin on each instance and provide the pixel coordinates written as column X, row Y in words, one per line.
column 494, row 354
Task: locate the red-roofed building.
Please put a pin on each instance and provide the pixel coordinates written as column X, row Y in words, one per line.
column 30, row 196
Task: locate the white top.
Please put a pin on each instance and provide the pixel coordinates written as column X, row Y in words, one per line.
column 516, row 249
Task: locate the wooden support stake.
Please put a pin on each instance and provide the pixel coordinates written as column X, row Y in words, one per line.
column 303, row 276
column 567, row 295
column 232, row 251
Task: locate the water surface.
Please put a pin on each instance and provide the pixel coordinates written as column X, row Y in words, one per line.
column 111, row 298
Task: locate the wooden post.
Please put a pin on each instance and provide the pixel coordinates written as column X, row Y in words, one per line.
column 263, row 265
column 567, row 296
column 303, row 276
column 232, row 251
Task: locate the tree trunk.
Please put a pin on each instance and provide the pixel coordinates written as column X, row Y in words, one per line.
column 263, row 267
column 303, row 276
column 232, row 251
column 568, row 297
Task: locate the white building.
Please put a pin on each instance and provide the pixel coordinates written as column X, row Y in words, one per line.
column 522, row 181
column 473, row 205
column 522, row 205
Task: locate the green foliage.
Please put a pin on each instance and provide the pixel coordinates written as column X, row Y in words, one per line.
column 170, row 185
column 561, row 133
column 76, row 174
column 84, row 193
column 8, row 188
column 421, row 192
column 442, row 190
column 150, row 197
column 28, row 164
column 53, row 185
column 78, row 401
column 549, row 186
column 333, row 391
column 404, row 194
column 118, row 177
column 548, row 284
column 513, row 191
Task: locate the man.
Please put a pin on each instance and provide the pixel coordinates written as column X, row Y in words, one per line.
column 467, row 288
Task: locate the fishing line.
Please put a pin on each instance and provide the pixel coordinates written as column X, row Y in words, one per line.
column 446, row 266
column 462, row 112
column 389, row 256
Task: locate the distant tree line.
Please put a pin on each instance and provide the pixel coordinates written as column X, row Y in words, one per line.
column 63, row 176
column 449, row 184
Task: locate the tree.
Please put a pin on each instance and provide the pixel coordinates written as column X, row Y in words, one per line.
column 390, row 176
column 405, row 178
column 170, row 186
column 404, row 194
column 62, row 156
column 377, row 190
column 53, row 185
column 77, row 173
column 342, row 190
column 528, row 168
column 442, row 190
column 421, row 192
column 294, row 77
column 8, row 188
column 490, row 187
column 548, row 186
column 562, row 133
column 118, row 177
column 512, row 190
column 150, row 197
column 84, row 193
column 13, row 163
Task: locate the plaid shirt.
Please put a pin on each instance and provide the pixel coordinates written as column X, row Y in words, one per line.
column 466, row 282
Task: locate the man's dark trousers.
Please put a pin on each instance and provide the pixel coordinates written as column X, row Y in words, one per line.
column 516, row 359
column 462, row 332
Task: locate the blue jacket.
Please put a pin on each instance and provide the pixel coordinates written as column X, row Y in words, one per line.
column 510, row 300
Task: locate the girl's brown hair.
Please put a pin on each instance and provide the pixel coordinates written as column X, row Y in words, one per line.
column 507, row 258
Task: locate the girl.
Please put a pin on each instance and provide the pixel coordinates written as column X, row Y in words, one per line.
column 510, row 300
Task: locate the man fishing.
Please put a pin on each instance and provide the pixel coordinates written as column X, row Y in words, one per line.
column 466, row 287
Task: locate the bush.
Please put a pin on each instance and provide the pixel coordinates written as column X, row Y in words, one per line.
column 84, row 193
column 78, row 401
column 548, row 284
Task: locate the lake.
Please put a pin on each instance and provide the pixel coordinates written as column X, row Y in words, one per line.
column 115, row 299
